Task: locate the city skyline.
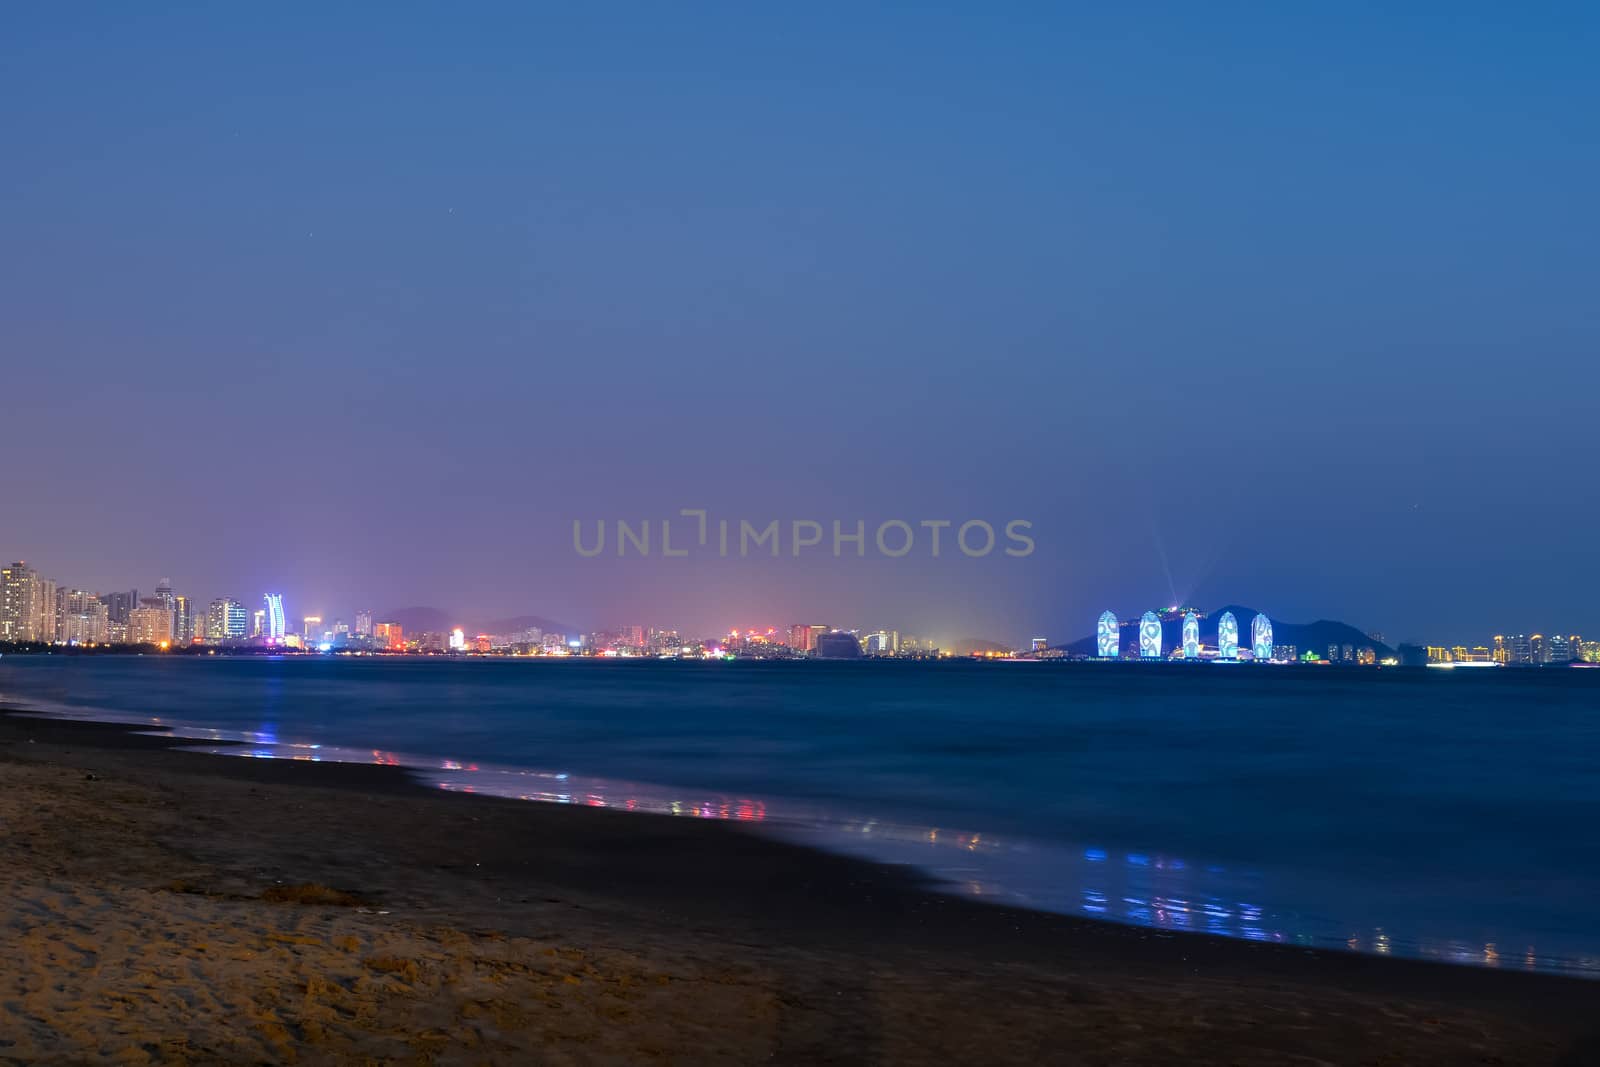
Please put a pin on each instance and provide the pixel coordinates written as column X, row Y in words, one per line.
column 168, row 618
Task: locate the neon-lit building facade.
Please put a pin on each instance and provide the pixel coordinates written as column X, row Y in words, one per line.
column 1191, row 636
column 1149, row 636
column 1261, row 637
column 276, row 625
column 1108, row 639
column 1228, row 636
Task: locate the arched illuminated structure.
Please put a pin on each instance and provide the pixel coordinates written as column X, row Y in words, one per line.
column 1261, row 637
column 277, row 625
column 1191, row 636
column 1108, row 639
column 1149, row 636
column 1228, row 636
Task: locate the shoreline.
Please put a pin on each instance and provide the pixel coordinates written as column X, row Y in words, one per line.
column 831, row 958
column 1004, row 869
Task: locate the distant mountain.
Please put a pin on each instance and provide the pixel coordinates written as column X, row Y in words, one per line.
column 432, row 620
column 421, row 620
column 1306, row 637
column 518, row 623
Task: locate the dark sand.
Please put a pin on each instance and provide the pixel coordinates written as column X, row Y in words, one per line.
column 143, row 922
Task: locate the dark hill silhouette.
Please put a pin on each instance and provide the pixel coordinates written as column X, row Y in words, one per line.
column 1305, row 636
column 420, row 620
column 518, row 623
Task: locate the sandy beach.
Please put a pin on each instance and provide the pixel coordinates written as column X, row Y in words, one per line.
column 172, row 907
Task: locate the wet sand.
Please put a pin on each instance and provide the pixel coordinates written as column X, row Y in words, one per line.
column 156, row 910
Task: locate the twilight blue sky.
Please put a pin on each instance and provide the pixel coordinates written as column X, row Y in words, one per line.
column 1288, row 305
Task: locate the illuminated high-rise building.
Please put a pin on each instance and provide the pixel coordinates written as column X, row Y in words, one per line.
column 1108, row 636
column 1228, row 636
column 164, row 596
column 185, row 625
column 389, row 636
column 311, row 628
column 803, row 636
column 27, row 605
column 1149, row 636
column 14, row 592
column 1191, row 635
column 151, row 622
column 1511, row 649
column 258, row 622
column 364, row 623
column 225, row 621
column 1261, row 637
column 277, row 627
column 881, row 643
column 82, row 618
column 45, row 617
column 11, row 601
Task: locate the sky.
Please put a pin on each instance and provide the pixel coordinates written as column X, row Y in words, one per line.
column 1289, row 306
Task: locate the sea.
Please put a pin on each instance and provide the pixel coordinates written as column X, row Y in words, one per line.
column 1447, row 815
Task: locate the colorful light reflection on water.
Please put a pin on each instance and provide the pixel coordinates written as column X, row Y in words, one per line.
column 1162, row 892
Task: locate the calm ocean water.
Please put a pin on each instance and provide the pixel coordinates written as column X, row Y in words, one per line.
column 1451, row 815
